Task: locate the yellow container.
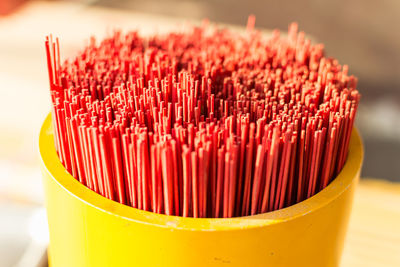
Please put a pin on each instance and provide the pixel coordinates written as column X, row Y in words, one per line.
column 87, row 229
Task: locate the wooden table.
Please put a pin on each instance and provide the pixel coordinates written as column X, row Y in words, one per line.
column 373, row 238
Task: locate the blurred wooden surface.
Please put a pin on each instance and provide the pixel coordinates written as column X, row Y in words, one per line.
column 374, row 233
column 373, row 238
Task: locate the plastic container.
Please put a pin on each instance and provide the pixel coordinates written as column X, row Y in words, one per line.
column 87, row 229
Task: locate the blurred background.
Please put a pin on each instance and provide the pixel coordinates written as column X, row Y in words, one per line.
column 361, row 33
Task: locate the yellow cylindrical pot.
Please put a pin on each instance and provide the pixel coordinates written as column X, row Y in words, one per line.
column 87, row 229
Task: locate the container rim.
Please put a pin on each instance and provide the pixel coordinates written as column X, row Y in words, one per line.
column 52, row 165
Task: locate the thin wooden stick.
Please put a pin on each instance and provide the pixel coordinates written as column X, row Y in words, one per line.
column 204, row 122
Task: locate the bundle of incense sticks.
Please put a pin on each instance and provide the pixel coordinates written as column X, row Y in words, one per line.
column 205, row 122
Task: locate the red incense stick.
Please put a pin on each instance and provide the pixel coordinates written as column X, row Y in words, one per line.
column 202, row 123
